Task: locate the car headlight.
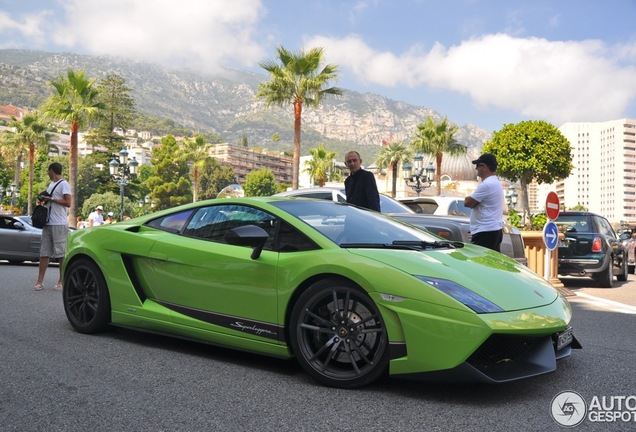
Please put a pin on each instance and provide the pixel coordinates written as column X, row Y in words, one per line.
column 462, row 294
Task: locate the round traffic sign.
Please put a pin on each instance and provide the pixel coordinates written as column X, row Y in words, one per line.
column 552, row 206
column 550, row 235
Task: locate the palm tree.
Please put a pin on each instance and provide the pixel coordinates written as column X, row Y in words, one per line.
column 30, row 133
column 195, row 152
column 320, row 167
column 298, row 81
column 75, row 101
column 437, row 139
column 392, row 156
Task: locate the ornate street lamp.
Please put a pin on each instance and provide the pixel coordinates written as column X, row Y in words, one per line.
column 511, row 196
column 419, row 178
column 122, row 171
column 143, row 204
column 12, row 192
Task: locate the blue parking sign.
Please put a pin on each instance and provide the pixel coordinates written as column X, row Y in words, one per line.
column 550, row 235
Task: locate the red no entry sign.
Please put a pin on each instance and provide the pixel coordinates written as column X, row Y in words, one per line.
column 552, row 206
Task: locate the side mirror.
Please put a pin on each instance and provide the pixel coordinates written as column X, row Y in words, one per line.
column 248, row 235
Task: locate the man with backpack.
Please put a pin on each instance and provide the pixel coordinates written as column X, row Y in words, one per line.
column 56, row 229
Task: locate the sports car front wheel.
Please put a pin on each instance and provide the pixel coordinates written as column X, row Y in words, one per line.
column 338, row 335
column 86, row 300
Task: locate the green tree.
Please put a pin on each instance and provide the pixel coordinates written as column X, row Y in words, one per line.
column 75, row 101
column 214, row 177
column 119, row 109
column 321, row 165
column 391, row 156
column 530, row 150
column 297, row 80
column 30, row 133
column 168, row 184
column 436, row 139
column 260, row 183
column 194, row 152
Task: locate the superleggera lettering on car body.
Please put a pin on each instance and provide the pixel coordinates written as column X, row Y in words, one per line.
column 251, row 329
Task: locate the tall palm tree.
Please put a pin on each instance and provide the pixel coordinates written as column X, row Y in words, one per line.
column 195, row 152
column 30, row 133
column 75, row 101
column 436, row 139
column 297, row 80
column 320, row 166
column 392, row 156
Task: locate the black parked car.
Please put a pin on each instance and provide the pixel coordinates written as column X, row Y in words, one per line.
column 591, row 248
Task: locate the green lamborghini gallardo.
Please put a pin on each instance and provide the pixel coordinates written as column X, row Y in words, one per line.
column 351, row 294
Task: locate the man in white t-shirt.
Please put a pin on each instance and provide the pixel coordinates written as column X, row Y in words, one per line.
column 96, row 217
column 54, row 233
column 487, row 204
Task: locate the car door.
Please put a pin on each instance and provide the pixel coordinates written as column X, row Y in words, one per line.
column 214, row 285
column 16, row 240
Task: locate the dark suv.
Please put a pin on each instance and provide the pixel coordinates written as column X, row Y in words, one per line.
column 590, row 248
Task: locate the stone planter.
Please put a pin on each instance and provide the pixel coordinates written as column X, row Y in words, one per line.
column 535, row 252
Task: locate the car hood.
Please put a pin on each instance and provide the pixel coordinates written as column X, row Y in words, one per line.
column 495, row 277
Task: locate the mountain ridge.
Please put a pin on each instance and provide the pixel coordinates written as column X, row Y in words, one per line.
column 225, row 103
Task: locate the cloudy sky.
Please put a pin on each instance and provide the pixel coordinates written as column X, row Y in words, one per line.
column 485, row 62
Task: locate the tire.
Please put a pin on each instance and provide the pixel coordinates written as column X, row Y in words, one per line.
column 624, row 272
column 16, row 262
column 631, row 268
column 605, row 278
column 339, row 348
column 86, row 298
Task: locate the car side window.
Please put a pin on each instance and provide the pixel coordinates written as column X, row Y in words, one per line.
column 211, row 223
column 172, row 223
column 606, row 228
column 458, row 208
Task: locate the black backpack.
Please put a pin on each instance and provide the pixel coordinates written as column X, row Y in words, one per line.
column 40, row 214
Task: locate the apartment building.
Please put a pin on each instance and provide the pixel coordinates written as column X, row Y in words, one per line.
column 604, row 176
column 245, row 160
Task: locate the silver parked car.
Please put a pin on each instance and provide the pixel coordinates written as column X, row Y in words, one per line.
column 456, row 228
column 19, row 240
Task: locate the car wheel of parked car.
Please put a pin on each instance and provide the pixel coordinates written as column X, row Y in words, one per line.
column 85, row 295
column 338, row 335
column 16, row 262
column 605, row 278
column 624, row 272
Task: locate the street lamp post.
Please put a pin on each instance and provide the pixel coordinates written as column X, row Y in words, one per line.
column 143, row 204
column 122, row 171
column 511, row 196
column 12, row 192
column 419, row 178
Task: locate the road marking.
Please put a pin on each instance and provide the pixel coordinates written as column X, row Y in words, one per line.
column 608, row 304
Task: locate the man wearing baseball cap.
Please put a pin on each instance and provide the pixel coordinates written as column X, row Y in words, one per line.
column 96, row 217
column 487, row 204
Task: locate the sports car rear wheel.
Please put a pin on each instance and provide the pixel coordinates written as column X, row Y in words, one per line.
column 86, row 300
column 338, row 335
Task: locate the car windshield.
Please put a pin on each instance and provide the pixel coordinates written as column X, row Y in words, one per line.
column 350, row 226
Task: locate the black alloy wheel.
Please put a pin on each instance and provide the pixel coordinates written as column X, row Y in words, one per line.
column 338, row 335
column 85, row 295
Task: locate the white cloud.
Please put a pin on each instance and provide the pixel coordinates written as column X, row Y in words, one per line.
column 555, row 81
column 28, row 25
column 200, row 34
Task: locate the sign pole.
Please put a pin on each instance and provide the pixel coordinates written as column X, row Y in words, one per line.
column 550, row 231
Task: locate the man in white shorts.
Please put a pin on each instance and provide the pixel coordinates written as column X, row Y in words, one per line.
column 56, row 229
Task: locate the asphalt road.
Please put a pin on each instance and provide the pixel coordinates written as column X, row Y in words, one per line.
column 54, row 379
